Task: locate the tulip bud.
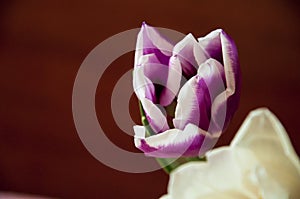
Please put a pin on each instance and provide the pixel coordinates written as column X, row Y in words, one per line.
column 188, row 92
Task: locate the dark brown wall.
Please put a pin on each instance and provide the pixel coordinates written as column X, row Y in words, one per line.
column 42, row 44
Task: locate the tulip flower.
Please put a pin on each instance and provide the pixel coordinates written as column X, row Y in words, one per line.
column 260, row 163
column 188, row 91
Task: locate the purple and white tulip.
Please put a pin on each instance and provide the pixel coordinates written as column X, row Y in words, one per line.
column 188, row 91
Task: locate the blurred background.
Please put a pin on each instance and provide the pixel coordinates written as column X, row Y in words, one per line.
column 43, row 44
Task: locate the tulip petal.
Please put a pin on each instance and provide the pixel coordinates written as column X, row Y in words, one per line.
column 210, row 179
column 172, row 143
column 165, row 79
column 166, row 197
column 269, row 188
column 156, row 119
column 226, row 104
column 265, row 136
column 142, row 86
column 212, row 45
column 150, row 41
column 156, row 72
column 196, row 96
column 172, row 85
column 214, row 76
column 192, row 104
column 190, row 54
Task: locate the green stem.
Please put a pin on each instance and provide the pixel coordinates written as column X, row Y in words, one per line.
column 169, row 164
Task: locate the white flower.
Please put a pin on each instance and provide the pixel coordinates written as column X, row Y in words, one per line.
column 259, row 163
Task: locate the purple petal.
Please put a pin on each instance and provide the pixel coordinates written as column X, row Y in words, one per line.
column 221, row 47
column 172, row 143
column 153, row 54
column 196, row 96
column 172, row 85
column 156, row 72
column 227, row 103
column 157, row 120
column 142, row 86
column 190, row 54
column 192, row 104
column 166, row 79
column 213, row 73
column 211, row 43
column 149, row 41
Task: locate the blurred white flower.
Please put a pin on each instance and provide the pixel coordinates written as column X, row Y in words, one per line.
column 260, row 163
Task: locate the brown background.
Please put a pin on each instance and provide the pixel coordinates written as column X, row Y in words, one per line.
column 43, row 44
